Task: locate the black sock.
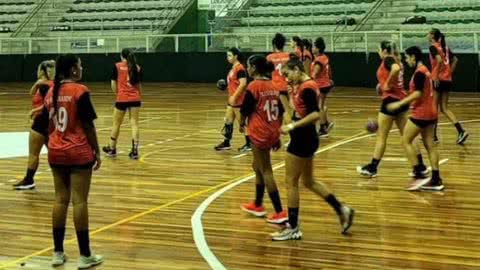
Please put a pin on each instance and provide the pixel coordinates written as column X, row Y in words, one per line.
column 375, row 163
column 134, row 146
column 58, row 237
column 84, row 243
column 435, row 131
column 293, row 217
column 420, row 159
column 277, row 203
column 247, row 140
column 435, row 174
column 459, row 127
column 226, row 142
column 334, row 203
column 30, row 174
column 228, row 131
column 259, row 191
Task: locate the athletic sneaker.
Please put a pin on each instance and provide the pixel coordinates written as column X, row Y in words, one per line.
column 223, row 146
column 288, row 233
column 423, row 170
column 278, row 218
column 258, row 211
column 245, row 148
column 110, row 152
column 87, row 262
column 322, row 133
column 367, row 170
column 25, row 184
column 436, row 140
column 133, row 155
column 330, row 126
column 346, row 219
column 417, row 184
column 462, row 137
column 58, row 259
column 433, row 185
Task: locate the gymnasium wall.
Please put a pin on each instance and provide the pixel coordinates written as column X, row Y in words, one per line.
column 349, row 69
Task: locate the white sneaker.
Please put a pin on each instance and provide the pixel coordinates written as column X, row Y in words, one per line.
column 87, row 262
column 58, row 259
column 346, row 219
column 287, row 234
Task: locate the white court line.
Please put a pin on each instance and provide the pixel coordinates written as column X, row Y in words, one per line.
column 239, row 156
column 197, row 226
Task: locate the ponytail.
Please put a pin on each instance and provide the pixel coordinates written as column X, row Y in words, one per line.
column 63, row 67
column 133, row 72
column 443, row 43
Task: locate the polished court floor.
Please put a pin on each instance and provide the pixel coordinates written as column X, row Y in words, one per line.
column 178, row 206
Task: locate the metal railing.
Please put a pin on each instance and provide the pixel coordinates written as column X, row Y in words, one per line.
column 256, row 42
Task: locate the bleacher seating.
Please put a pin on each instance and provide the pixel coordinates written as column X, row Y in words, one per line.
column 12, row 13
column 108, row 15
column 297, row 16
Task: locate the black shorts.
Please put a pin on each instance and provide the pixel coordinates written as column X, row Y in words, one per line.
column 303, row 141
column 69, row 168
column 444, row 86
column 326, row 90
column 39, row 127
column 388, row 100
column 423, row 123
column 234, row 106
column 123, row 106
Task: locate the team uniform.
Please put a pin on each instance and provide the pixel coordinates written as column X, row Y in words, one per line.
column 444, row 72
column 39, row 97
column 263, row 108
column 233, row 81
column 323, row 79
column 424, row 111
column 127, row 95
column 279, row 59
column 304, row 99
column 396, row 92
column 68, row 146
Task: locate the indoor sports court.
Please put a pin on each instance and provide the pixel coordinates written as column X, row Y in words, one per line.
column 180, row 203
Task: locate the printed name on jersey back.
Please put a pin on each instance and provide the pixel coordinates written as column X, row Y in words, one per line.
column 61, row 99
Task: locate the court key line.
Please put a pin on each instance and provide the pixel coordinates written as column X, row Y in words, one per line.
column 197, row 226
column 240, row 179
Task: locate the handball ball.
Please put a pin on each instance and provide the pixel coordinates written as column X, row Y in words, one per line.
column 221, row 85
column 371, row 126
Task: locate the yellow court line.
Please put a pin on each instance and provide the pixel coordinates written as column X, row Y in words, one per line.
column 160, row 207
column 152, row 210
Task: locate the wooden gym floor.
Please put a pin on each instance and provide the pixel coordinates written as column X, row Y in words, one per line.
column 141, row 211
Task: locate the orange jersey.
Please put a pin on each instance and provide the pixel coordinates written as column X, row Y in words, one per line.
column 299, row 53
column 265, row 121
column 279, row 59
column 233, row 81
column 424, row 108
column 323, row 78
column 40, row 94
column 307, row 55
column 444, row 72
column 67, row 144
column 125, row 91
column 296, row 96
column 396, row 83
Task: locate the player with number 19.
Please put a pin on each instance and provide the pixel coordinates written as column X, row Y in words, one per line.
column 263, row 110
column 73, row 153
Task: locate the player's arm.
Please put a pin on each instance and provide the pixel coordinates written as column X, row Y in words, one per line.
column 438, row 60
column 419, row 81
column 113, row 80
column 87, row 115
column 394, row 69
column 453, row 61
column 34, row 88
column 313, row 111
column 317, row 68
column 242, row 78
column 307, row 64
column 247, row 108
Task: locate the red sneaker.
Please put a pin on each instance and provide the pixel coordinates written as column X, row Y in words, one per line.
column 278, row 218
column 258, row 211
